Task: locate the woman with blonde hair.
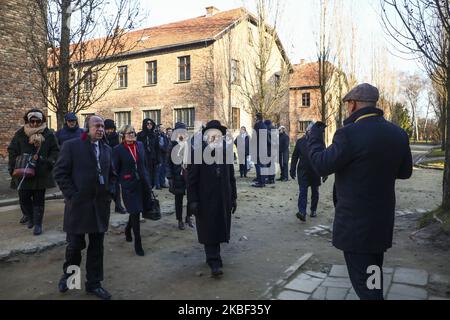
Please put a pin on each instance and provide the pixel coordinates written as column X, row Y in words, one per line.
column 32, row 154
column 129, row 164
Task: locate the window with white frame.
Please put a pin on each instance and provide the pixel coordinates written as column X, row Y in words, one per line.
column 185, row 115
column 122, row 118
column 152, row 72
column 155, row 115
column 122, row 76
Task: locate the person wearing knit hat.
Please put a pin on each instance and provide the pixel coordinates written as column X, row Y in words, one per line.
column 70, row 130
column 36, row 146
column 176, row 171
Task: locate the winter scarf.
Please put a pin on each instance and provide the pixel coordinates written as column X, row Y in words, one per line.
column 35, row 134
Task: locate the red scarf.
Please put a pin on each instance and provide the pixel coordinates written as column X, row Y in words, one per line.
column 133, row 149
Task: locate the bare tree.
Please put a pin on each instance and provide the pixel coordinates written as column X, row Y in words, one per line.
column 84, row 37
column 413, row 86
column 422, row 28
column 266, row 91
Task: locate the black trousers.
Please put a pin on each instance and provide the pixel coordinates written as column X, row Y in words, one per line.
column 179, row 207
column 94, row 259
column 357, row 264
column 243, row 168
column 284, row 164
column 213, row 258
column 152, row 171
column 32, row 204
column 117, row 198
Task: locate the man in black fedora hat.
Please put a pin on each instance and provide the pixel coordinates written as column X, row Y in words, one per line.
column 211, row 193
column 367, row 155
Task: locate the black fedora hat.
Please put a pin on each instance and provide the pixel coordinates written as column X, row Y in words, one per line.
column 215, row 124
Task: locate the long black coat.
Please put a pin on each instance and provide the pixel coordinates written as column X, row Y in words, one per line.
column 213, row 187
column 87, row 208
column 175, row 173
column 367, row 155
column 301, row 164
column 258, row 136
column 44, row 166
column 134, row 191
column 283, row 142
column 239, row 142
column 150, row 140
column 65, row 134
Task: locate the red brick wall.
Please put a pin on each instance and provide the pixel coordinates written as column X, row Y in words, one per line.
column 18, row 77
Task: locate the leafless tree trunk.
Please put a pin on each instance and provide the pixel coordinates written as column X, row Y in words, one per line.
column 422, row 28
column 83, row 38
column 266, row 91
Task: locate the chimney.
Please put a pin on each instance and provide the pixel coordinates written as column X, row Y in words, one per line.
column 210, row 11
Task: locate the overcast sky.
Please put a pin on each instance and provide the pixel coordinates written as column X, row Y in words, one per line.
column 297, row 29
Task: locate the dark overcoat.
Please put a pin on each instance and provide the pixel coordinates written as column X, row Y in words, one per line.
column 367, row 155
column 87, row 208
column 44, row 166
column 301, row 164
column 135, row 188
column 65, row 133
column 175, row 173
column 213, row 187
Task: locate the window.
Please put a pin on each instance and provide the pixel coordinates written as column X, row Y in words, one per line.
column 90, row 81
column 186, row 115
column 250, row 36
column 303, row 125
column 122, row 118
column 151, row 72
column 184, row 67
column 155, row 115
column 277, row 81
column 306, row 99
column 84, row 116
column 235, row 118
column 234, row 71
column 122, row 77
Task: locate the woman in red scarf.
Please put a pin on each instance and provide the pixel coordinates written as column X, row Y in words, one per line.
column 129, row 164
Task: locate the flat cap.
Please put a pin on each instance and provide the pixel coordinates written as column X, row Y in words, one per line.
column 363, row 92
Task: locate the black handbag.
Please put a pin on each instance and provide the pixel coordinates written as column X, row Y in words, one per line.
column 153, row 209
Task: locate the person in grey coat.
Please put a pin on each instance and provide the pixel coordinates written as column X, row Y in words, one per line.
column 367, row 156
column 85, row 175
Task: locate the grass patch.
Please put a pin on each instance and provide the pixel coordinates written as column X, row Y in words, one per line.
column 436, row 153
column 439, row 215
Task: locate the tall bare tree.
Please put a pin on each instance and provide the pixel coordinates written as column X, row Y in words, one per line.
column 413, row 86
column 266, row 91
column 422, row 28
column 83, row 39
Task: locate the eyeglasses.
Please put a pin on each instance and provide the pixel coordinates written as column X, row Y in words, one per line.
column 35, row 121
column 133, row 134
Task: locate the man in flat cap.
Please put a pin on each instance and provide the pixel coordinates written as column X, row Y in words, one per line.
column 367, row 155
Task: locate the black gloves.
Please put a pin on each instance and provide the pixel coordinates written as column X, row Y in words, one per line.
column 292, row 175
column 233, row 207
column 193, row 208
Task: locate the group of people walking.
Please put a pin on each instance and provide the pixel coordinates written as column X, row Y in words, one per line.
column 88, row 166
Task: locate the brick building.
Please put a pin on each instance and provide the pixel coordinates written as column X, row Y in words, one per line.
column 18, row 74
column 185, row 71
column 305, row 100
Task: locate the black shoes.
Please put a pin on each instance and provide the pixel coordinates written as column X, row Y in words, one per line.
column 181, row 225
column 30, row 223
column 216, row 272
column 99, row 293
column 138, row 248
column 37, row 230
column 24, row 220
column 189, row 222
column 301, row 216
column 62, row 285
column 313, row 214
column 258, row 185
column 271, row 182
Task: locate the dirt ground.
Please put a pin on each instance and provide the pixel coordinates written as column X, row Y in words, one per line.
column 266, row 238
